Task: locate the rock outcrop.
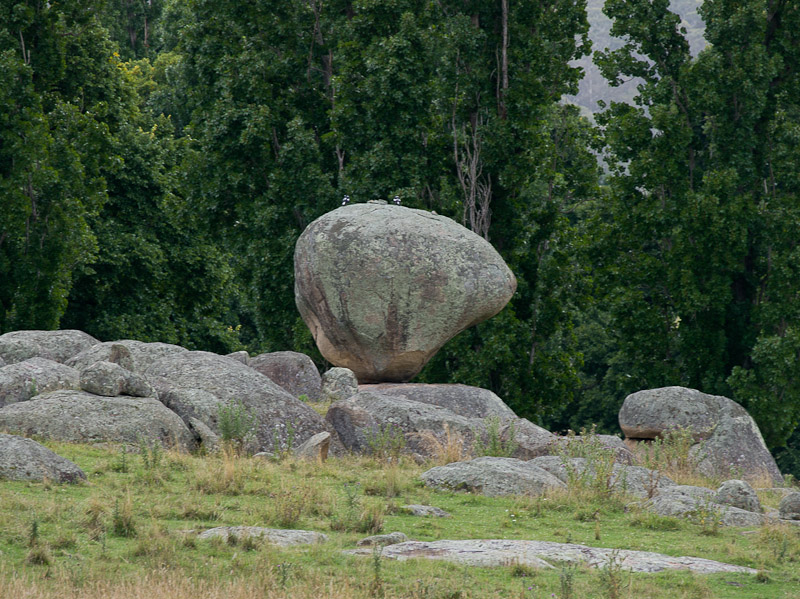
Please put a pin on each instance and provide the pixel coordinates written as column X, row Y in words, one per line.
column 492, row 477
column 58, row 346
column 383, row 287
column 25, row 459
column 291, row 370
column 23, row 380
column 729, row 441
column 82, row 417
column 196, row 384
column 136, row 356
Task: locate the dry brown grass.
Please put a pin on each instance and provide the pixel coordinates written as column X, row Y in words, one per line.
column 452, row 447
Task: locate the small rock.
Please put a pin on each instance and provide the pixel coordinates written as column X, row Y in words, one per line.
column 275, row 536
column 425, row 510
column 789, row 508
column 338, row 384
column 25, row 459
column 240, row 356
column 738, row 493
column 315, row 448
column 382, row 540
column 23, row 380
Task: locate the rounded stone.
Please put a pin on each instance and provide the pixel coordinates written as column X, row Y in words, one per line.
column 789, row 508
column 383, row 287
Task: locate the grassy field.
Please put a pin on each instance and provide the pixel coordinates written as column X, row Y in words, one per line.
column 127, row 533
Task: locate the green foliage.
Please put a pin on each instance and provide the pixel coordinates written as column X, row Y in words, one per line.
column 494, row 443
column 237, row 425
column 386, row 441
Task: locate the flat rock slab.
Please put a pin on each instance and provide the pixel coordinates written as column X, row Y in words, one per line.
column 425, row 510
column 136, row 356
column 275, row 536
column 539, row 554
column 492, row 477
column 58, row 346
column 25, row 459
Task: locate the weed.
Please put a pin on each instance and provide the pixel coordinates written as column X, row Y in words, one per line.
column 386, row 441
column 122, row 520
column 283, row 443
column 596, row 474
column 95, row 513
column 39, row 555
column 121, row 465
column 151, row 453
column 651, row 521
column 611, row 576
column 446, row 449
column 494, row 444
column 376, row 587
column 566, row 580
column 33, row 534
column 237, row 426
column 708, row 516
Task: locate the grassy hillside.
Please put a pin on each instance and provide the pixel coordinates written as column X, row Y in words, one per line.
column 127, row 533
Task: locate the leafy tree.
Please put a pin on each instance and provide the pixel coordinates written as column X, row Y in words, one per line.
column 702, row 212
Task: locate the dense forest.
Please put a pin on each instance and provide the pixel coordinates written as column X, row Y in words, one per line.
column 159, row 158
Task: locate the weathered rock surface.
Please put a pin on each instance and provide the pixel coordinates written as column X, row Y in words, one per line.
column 23, row 380
column 338, row 383
column 391, row 538
column 240, row 356
column 698, row 503
column 540, row 554
column 730, row 438
column 136, row 356
column 58, row 346
column 360, row 419
column 382, row 288
column 110, row 380
column 789, row 508
column 25, row 459
column 196, row 384
column 738, row 493
column 425, row 510
column 83, row 417
column 291, row 370
column 471, row 402
column 530, row 439
column 315, row 448
column 633, row 480
column 492, row 477
column 275, row 536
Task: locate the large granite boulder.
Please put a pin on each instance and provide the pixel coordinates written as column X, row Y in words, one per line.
column 472, row 402
column 136, row 356
column 383, row 287
column 293, row 371
column 196, row 384
column 729, row 441
column 492, row 477
column 738, row 493
column 699, row 504
column 25, row 459
column 789, row 508
column 58, row 346
column 110, row 379
column 81, row 417
column 23, row 380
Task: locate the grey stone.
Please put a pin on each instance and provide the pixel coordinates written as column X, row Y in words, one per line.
column 470, row 402
column 425, row 511
column 24, row 459
column 315, row 448
column 274, row 536
column 382, row 288
column 240, row 356
column 531, row 440
column 492, row 477
column 700, row 503
column 338, row 384
column 209, row 440
column 570, row 444
column 23, row 380
column 136, row 356
column 110, row 380
column 82, row 417
column 729, row 439
column 789, row 508
column 293, row 371
column 197, row 384
column 738, row 493
column 362, row 419
column 543, row 554
column 391, row 538
column 58, row 346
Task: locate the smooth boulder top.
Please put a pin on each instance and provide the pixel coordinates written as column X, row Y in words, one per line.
column 471, row 402
column 293, row 371
column 383, row 287
column 136, row 356
column 58, row 346
column 24, row 380
column 25, row 459
column 81, row 417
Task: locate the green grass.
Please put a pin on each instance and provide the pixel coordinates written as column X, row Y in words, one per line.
column 123, row 535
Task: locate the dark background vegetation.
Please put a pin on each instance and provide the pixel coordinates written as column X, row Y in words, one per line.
column 158, row 160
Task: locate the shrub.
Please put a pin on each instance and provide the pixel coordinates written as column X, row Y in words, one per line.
column 237, row 426
column 494, row 444
column 385, row 442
